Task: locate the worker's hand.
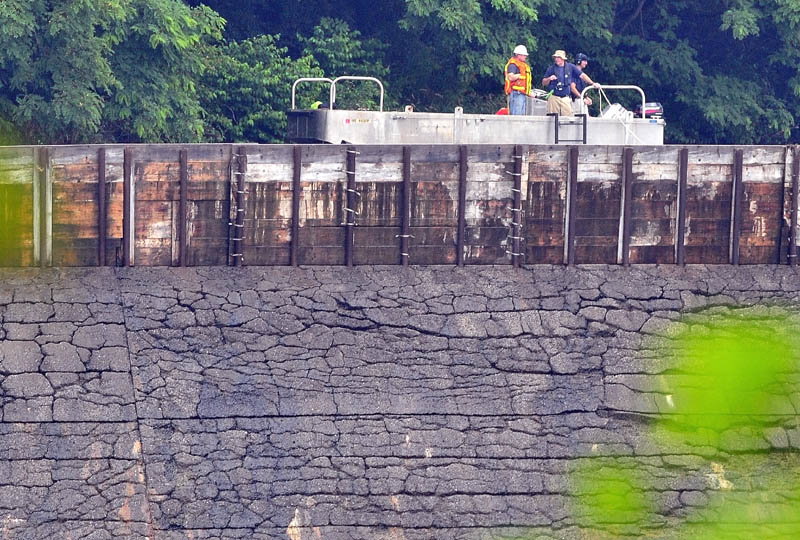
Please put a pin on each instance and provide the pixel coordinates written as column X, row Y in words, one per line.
column 596, row 85
column 587, row 101
column 552, row 77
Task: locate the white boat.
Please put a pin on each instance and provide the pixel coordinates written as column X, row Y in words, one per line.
column 614, row 125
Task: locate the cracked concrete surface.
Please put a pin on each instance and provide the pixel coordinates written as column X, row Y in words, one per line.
column 327, row 403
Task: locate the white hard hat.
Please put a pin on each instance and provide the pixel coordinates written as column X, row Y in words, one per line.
column 520, row 49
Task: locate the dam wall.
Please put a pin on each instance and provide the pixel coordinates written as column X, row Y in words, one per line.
column 206, row 205
column 376, row 402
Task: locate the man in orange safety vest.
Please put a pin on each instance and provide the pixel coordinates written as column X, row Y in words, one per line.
column 518, row 81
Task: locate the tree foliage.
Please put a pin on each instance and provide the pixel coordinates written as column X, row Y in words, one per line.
column 338, row 51
column 78, row 70
column 246, row 90
column 172, row 70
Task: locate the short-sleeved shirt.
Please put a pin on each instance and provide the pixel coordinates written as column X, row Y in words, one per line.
column 566, row 74
column 580, row 84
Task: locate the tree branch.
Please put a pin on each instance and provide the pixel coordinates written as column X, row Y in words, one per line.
column 633, row 16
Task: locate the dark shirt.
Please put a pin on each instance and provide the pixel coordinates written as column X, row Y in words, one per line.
column 565, row 75
column 512, row 68
column 580, row 84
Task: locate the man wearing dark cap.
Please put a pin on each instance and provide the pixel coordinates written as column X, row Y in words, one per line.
column 581, row 61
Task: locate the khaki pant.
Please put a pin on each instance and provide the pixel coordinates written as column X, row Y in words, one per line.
column 578, row 107
column 560, row 105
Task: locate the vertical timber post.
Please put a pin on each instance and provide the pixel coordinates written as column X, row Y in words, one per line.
column 297, row 153
column 624, row 256
column 102, row 212
column 680, row 229
column 45, row 209
column 183, row 208
column 517, row 215
column 462, row 203
column 238, row 224
column 35, row 219
column 793, row 234
column 350, row 211
column 405, row 207
column 736, row 205
column 572, row 188
column 230, row 204
column 128, row 205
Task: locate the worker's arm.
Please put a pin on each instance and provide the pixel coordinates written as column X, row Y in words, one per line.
column 587, row 80
column 574, row 88
column 513, row 76
column 546, row 80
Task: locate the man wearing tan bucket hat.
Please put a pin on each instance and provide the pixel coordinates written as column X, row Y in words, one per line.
column 558, row 78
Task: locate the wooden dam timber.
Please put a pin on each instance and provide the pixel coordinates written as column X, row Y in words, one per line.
column 222, row 204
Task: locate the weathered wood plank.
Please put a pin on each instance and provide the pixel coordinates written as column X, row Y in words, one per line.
column 207, row 172
column 655, row 172
column 544, row 255
column 321, row 255
column 710, row 155
column 432, row 255
column 491, row 211
column 115, row 193
column 153, row 233
column 482, row 254
column 608, row 229
column 654, row 155
column 78, row 220
column 482, row 191
column 378, row 237
column 761, row 155
column 548, row 173
column 599, row 155
column 379, row 204
column 707, row 254
column 652, row 232
column 375, row 255
column 16, row 222
column 762, row 223
column 709, row 174
column 480, row 173
column 595, row 253
column 15, row 159
column 652, row 254
column 380, row 154
column 763, row 173
column 272, row 172
column 545, row 232
column 435, row 172
column 85, row 172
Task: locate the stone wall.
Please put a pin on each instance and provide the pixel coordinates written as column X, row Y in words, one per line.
column 366, row 403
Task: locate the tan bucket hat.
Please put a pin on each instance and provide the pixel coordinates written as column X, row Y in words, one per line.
column 560, row 54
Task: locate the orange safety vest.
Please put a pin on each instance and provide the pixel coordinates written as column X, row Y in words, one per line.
column 523, row 84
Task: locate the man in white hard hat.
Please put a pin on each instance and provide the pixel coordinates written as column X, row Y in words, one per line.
column 518, row 81
column 558, row 79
